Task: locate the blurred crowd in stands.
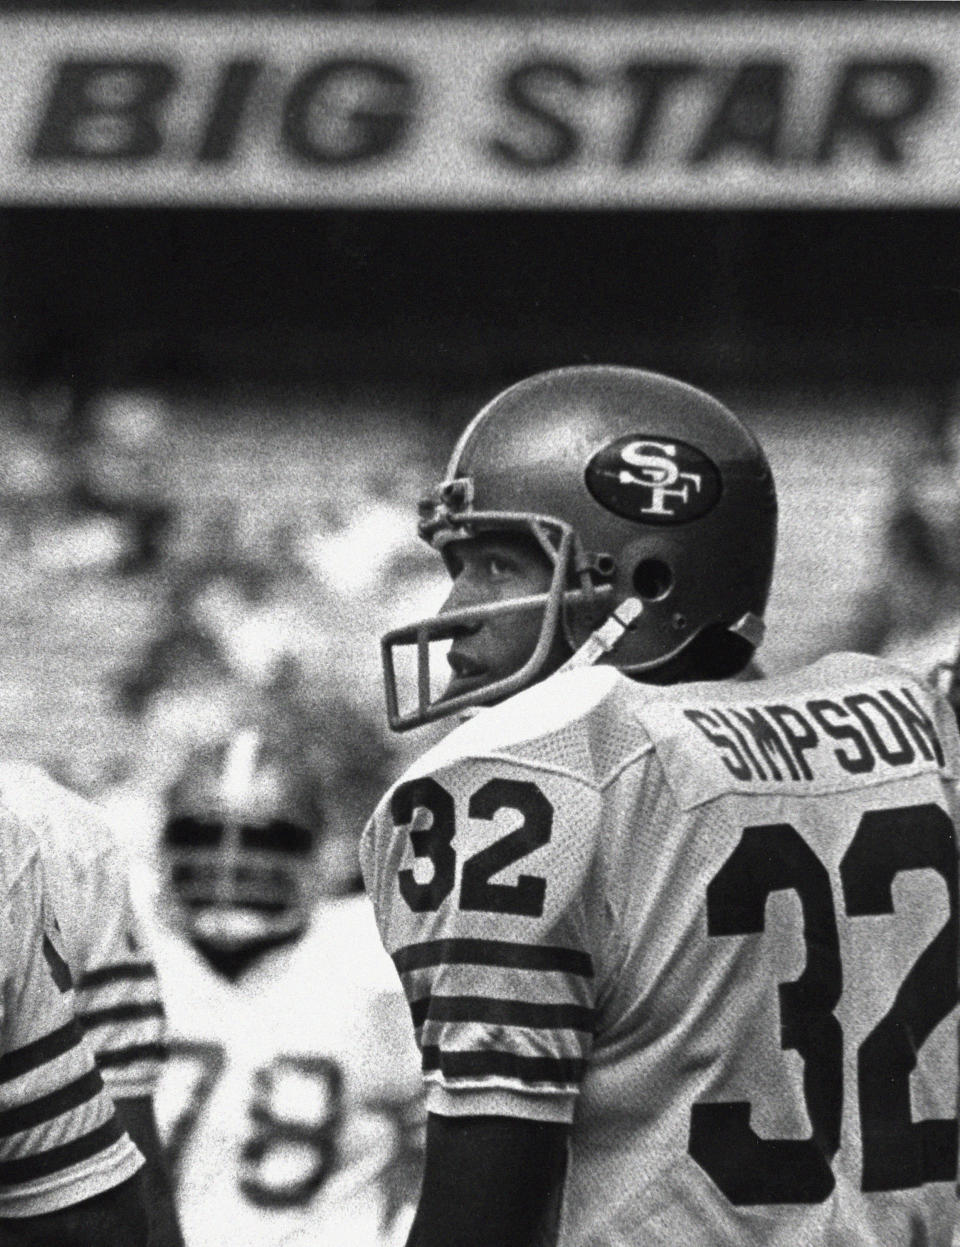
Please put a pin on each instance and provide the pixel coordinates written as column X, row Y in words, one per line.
column 259, row 611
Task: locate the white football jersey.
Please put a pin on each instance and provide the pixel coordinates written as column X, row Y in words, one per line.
column 714, row 927
column 118, row 997
column 291, row 1101
column 60, row 1142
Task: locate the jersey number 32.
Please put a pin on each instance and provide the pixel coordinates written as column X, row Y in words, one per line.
column 898, row 1152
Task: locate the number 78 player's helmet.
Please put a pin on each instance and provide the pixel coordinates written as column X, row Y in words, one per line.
column 241, row 843
column 648, row 497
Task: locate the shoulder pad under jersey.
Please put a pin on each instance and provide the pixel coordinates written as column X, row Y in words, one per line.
column 567, row 723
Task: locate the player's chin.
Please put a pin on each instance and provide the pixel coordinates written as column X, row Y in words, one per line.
column 459, row 684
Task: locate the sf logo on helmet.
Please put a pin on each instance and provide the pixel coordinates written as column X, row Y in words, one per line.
column 656, row 480
column 660, row 473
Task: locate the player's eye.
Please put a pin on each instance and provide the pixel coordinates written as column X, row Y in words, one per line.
column 498, row 565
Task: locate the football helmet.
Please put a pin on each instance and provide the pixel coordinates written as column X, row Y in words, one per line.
column 240, row 845
column 654, row 504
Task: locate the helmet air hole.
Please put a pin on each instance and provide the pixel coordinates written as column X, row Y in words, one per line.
column 652, row 579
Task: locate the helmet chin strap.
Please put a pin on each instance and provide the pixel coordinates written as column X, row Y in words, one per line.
column 603, row 640
column 611, row 632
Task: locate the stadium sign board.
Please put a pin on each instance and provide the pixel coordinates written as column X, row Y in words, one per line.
column 836, row 109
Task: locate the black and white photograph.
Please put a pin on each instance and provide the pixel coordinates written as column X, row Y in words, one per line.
column 479, row 623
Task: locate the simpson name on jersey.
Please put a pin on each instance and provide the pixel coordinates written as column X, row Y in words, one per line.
column 564, row 874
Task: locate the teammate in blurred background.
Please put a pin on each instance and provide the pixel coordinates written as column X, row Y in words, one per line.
column 680, row 949
column 910, row 610
column 68, row 1173
column 910, row 613
column 118, row 998
column 290, row 1102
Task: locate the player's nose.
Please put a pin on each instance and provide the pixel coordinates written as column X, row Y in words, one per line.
column 461, row 596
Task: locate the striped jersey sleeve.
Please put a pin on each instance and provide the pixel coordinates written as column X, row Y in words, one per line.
column 118, row 992
column 118, row 995
column 480, row 874
column 60, row 1142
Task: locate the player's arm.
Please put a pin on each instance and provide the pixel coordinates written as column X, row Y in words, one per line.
column 121, row 1010
column 490, row 1180
column 61, row 1147
column 482, row 903
column 136, row 1115
column 114, row 1218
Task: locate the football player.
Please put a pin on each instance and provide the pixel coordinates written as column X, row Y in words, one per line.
column 68, row 1172
column 291, row 1099
column 118, row 1000
column 916, row 586
column 680, row 949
